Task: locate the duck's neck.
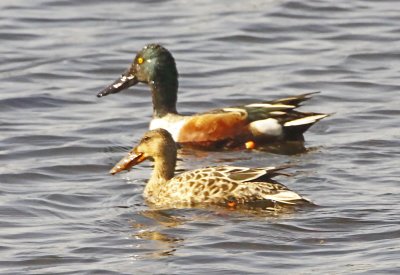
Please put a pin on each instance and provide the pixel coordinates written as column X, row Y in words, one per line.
column 164, row 94
column 164, row 169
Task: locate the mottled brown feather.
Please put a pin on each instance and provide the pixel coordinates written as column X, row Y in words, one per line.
column 209, row 185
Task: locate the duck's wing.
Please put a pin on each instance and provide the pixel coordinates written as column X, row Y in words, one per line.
column 283, row 112
column 275, row 118
column 241, row 184
column 269, row 120
column 245, row 174
column 294, row 100
column 258, row 184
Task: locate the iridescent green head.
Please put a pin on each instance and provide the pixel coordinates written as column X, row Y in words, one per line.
column 155, row 66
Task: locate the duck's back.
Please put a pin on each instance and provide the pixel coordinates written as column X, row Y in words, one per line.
column 220, row 185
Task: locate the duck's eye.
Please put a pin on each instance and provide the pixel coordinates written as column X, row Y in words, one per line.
column 140, row 60
column 146, row 139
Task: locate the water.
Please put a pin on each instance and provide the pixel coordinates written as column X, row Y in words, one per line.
column 62, row 213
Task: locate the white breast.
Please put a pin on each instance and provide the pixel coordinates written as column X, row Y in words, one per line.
column 172, row 123
column 268, row 127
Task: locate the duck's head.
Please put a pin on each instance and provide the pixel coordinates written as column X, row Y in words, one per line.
column 156, row 144
column 153, row 65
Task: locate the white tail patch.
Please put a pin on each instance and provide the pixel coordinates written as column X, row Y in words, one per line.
column 284, row 196
column 269, row 127
column 277, row 106
column 304, row 120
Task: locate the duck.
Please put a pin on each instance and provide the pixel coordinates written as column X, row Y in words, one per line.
column 228, row 186
column 238, row 126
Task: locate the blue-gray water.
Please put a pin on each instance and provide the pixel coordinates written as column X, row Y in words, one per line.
column 62, row 213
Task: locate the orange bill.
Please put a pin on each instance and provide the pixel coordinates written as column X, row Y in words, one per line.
column 127, row 162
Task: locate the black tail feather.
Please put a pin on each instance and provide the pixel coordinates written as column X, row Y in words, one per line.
column 294, row 100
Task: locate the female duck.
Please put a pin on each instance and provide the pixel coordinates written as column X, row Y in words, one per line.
column 222, row 185
column 227, row 127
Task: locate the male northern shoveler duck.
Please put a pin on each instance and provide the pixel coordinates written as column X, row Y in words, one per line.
column 226, row 127
column 222, row 185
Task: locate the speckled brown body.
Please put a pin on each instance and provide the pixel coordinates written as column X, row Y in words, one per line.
column 209, row 185
column 218, row 185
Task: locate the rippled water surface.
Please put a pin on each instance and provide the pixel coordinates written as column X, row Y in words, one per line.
column 62, row 213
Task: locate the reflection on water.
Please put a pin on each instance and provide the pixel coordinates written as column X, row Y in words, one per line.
column 166, row 244
column 285, row 148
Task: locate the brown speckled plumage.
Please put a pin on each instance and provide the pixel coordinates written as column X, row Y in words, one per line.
column 209, row 185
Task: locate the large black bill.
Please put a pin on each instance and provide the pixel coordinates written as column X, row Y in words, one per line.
column 126, row 80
